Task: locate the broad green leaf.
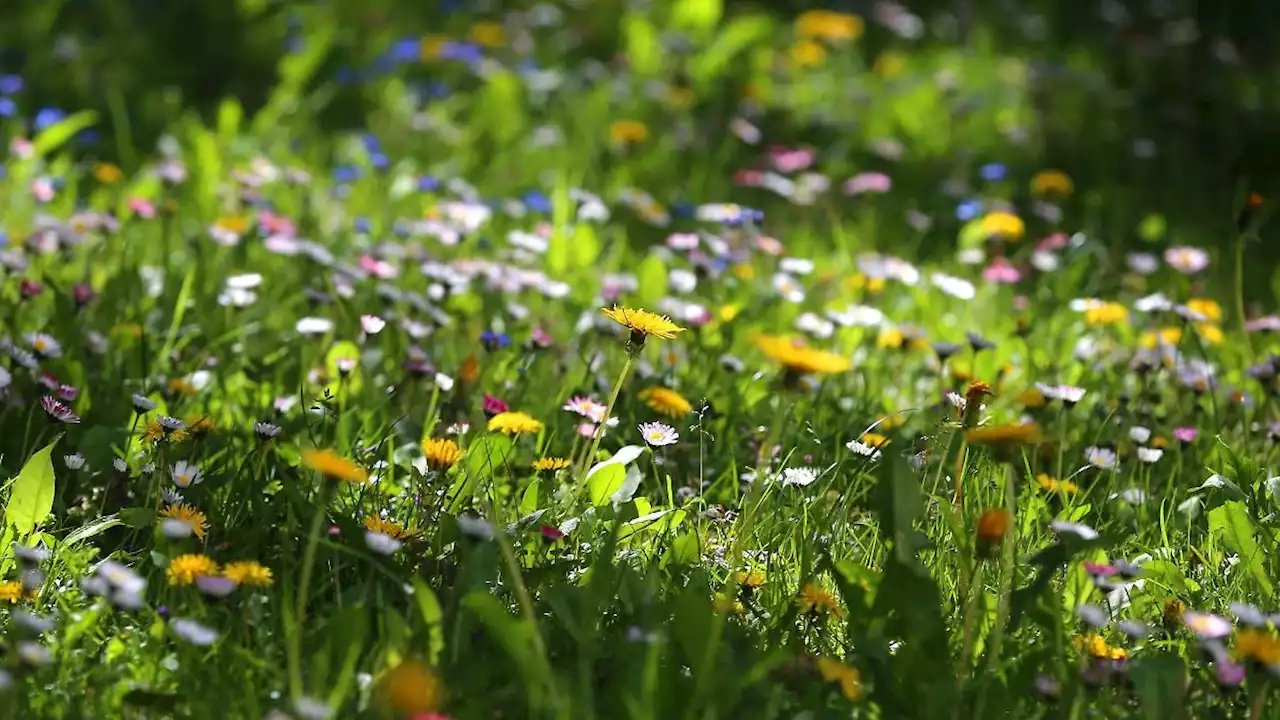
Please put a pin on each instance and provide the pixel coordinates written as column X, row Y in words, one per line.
column 652, row 277
column 1230, row 522
column 58, row 134
column 1161, row 683
column 31, row 496
column 338, row 355
column 740, row 34
column 432, row 614
column 697, row 16
column 603, row 484
column 585, row 247
column 529, row 500
column 644, row 49
column 230, row 113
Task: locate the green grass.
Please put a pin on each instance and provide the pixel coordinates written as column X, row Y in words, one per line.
column 760, row 566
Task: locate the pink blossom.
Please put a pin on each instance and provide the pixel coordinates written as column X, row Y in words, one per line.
column 42, row 189
column 867, row 182
column 749, row 177
column 1001, row 271
column 377, row 268
column 1056, row 241
column 768, row 245
column 274, row 224
column 142, row 207
column 682, row 241
column 22, row 148
column 1185, row 434
column 791, row 160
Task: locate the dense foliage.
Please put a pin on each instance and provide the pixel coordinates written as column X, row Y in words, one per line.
column 648, row 362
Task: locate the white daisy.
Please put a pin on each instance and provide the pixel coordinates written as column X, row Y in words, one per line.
column 800, row 476
column 657, row 434
column 186, row 474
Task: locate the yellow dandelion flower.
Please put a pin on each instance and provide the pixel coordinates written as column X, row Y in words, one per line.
column 801, row 359
column 829, row 25
column 889, row 64
column 1098, row 647
column 752, row 580
column 807, row 53
column 643, row 323
column 1211, row 334
column 875, row 440
column 11, row 591
column 188, row 515
column 1054, row 485
column 334, row 466
column 666, row 401
column 727, row 313
column 107, row 173
column 1052, row 182
column 1169, row 336
column 412, row 688
column 237, row 224
column 441, row 453
column 178, row 386
column 1018, row 434
column 249, row 572
column 1003, row 224
column 550, row 464
column 184, row 569
column 514, row 423
column 1106, row 313
column 815, row 599
column 628, row 132
column 153, row 431
column 834, row 671
column 487, row 33
column 1211, row 310
column 390, row 528
column 890, row 338
column 1258, row 646
column 744, row 271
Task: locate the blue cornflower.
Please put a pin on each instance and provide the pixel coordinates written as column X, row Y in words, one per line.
column 8, row 108
column 10, row 84
column 427, row 183
column 406, row 50
column 362, row 225
column 379, row 161
column 537, row 202
column 992, row 172
column 683, row 210
column 48, row 116
column 968, row 210
column 494, row 340
column 345, row 174
column 463, row 51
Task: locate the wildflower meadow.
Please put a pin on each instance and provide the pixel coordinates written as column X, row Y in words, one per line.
column 645, row 360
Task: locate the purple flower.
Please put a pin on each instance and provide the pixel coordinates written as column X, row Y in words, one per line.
column 1229, row 674
column 1185, row 435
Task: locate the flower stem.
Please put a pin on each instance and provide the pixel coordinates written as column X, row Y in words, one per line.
column 604, row 422
column 304, row 587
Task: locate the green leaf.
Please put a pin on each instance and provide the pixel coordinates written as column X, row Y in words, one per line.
column 529, row 500
column 486, row 458
column 340, row 352
column 137, row 517
column 514, row 635
column 432, row 614
column 697, row 16
column 97, row 527
column 605, row 483
column 737, row 36
column 1230, row 522
column 58, row 134
column 644, row 49
column 586, row 245
column 652, row 277
column 229, row 116
column 684, row 550
column 31, row 498
column 1161, row 682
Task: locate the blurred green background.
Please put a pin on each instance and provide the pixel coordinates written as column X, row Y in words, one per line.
column 1197, row 78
